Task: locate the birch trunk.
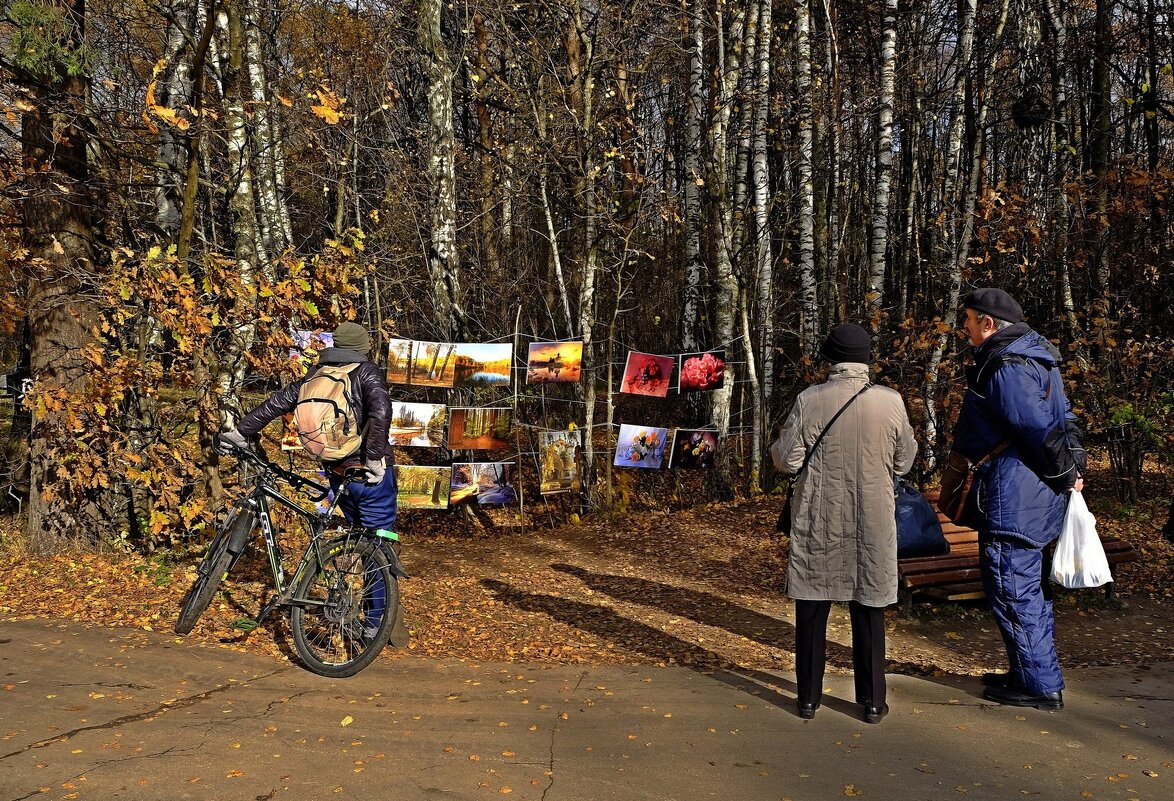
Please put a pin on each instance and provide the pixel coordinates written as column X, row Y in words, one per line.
column 884, row 167
column 247, row 247
column 274, row 224
column 580, row 49
column 693, row 178
column 443, row 263
column 721, row 179
column 808, row 309
column 176, row 83
column 764, row 290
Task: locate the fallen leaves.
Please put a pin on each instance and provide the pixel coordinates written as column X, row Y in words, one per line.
column 348, row 720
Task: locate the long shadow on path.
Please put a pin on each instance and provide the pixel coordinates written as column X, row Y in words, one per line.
column 644, row 639
column 711, row 610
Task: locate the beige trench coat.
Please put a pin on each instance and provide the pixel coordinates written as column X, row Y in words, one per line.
column 843, row 525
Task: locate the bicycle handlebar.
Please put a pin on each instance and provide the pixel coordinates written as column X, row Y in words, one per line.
column 256, row 456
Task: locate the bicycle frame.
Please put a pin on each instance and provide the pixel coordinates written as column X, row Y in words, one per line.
column 259, row 501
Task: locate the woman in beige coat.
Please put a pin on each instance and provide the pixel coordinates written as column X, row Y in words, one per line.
column 843, row 526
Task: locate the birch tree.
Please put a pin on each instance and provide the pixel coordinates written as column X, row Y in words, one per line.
column 443, row 258
column 884, row 166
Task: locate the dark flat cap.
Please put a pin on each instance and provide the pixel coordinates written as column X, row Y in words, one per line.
column 995, row 302
column 847, row 342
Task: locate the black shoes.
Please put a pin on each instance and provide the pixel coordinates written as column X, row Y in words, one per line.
column 807, row 711
column 1013, row 696
column 874, row 714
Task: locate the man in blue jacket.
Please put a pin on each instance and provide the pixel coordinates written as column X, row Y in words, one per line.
column 1016, row 415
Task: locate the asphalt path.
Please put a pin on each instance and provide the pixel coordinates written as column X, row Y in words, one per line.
column 89, row 712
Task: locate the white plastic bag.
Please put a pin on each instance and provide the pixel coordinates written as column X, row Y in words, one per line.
column 1080, row 561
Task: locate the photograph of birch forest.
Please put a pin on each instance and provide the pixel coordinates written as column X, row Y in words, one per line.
column 187, row 182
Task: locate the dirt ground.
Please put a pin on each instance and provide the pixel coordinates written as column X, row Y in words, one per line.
column 700, row 587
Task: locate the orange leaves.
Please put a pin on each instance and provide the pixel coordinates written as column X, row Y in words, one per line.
column 328, row 105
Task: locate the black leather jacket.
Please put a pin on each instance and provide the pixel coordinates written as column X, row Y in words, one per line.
column 369, row 387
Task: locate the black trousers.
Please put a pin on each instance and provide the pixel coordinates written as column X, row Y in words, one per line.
column 868, row 650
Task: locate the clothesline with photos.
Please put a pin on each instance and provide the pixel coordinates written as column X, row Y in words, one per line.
column 451, row 366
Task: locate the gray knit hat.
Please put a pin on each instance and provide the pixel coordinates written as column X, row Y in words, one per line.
column 352, row 336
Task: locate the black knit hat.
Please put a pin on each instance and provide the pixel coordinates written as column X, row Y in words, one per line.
column 847, row 342
column 352, row 336
column 994, row 302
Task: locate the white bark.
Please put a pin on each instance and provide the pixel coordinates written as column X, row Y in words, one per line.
column 172, row 91
column 764, row 300
column 275, row 229
column 443, row 259
column 808, row 311
column 884, row 166
column 694, row 221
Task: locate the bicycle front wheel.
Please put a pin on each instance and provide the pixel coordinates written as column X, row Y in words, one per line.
column 344, row 607
column 213, row 569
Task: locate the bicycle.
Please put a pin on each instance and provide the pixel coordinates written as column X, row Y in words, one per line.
column 343, row 596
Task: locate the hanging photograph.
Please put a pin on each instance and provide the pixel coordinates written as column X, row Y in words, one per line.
column 702, row 371
column 554, row 362
column 647, row 374
column 693, row 449
column 558, row 459
column 484, row 483
column 485, row 364
column 480, row 429
column 641, row 446
column 417, row 425
column 399, row 360
column 432, row 364
column 420, row 487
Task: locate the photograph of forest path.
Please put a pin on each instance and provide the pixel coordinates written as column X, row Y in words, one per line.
column 480, row 429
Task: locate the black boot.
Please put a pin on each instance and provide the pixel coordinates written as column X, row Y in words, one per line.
column 1013, row 696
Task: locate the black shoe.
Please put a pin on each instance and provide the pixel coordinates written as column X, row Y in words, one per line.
column 998, row 680
column 1016, row 697
column 807, row 711
column 873, row 715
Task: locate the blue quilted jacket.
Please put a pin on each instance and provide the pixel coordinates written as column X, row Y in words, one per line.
column 1014, row 391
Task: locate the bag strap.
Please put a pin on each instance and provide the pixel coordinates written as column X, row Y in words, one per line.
column 819, row 439
column 1002, row 446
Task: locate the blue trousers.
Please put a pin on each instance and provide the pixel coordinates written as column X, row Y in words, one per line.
column 369, row 505
column 1012, row 575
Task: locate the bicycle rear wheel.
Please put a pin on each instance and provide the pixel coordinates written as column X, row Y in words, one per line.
column 213, row 569
column 344, row 608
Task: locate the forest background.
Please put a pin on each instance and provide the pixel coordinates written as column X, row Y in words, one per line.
column 186, row 182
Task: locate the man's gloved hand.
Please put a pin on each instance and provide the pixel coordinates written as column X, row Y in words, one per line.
column 228, row 441
column 375, row 470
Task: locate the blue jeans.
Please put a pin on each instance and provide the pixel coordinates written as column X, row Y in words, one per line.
column 369, row 505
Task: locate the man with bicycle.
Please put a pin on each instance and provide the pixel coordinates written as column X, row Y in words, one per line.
column 372, row 503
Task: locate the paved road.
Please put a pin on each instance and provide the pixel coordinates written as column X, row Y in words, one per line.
column 119, row 714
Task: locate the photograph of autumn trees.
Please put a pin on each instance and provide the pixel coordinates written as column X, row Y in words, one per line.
column 182, row 189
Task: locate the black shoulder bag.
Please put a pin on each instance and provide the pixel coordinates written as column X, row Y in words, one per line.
column 783, row 524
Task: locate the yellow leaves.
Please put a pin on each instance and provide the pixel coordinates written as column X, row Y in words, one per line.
column 328, row 105
column 232, row 774
column 348, row 720
column 153, row 109
column 851, row 791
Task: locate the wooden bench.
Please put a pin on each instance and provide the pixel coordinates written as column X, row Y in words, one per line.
column 958, row 569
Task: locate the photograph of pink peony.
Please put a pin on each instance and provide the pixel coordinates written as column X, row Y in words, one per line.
column 701, row 372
